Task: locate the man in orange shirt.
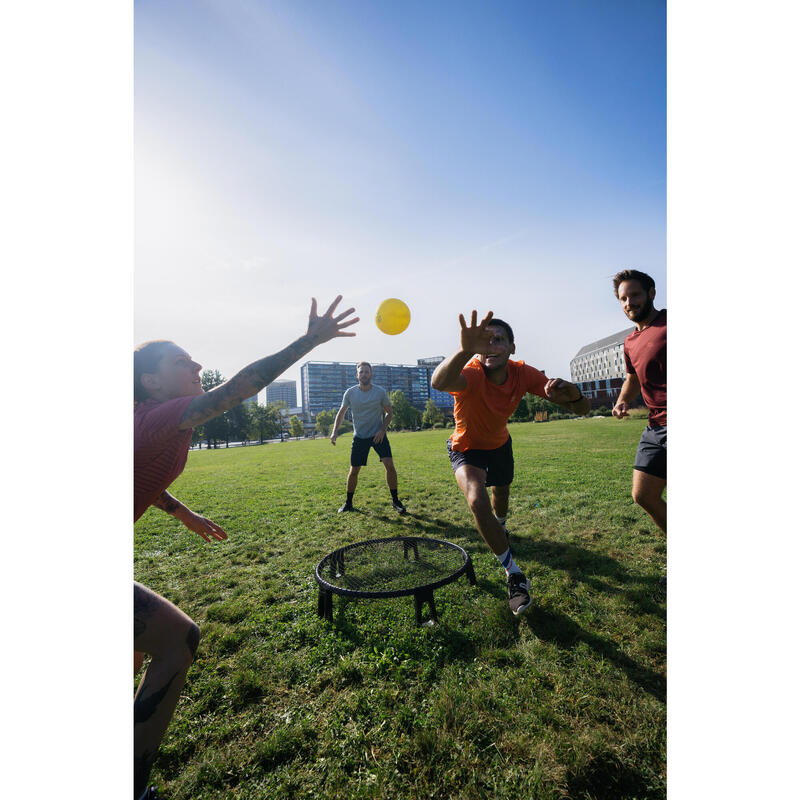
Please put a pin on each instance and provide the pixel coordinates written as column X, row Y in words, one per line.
column 487, row 390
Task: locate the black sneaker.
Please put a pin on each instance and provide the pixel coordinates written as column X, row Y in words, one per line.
column 398, row 507
column 346, row 507
column 518, row 593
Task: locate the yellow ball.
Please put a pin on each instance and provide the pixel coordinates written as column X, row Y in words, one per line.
column 393, row 316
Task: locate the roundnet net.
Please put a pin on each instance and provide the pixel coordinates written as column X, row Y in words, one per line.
column 391, row 565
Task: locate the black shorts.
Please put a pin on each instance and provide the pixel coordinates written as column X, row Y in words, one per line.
column 498, row 463
column 651, row 456
column 360, row 450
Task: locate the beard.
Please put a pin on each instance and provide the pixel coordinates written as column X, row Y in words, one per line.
column 644, row 311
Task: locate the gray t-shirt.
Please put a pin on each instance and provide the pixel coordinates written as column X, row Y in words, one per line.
column 367, row 409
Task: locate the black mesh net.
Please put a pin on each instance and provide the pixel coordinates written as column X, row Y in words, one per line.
column 389, row 565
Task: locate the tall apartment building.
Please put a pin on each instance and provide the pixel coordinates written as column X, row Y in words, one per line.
column 599, row 369
column 324, row 382
column 283, row 392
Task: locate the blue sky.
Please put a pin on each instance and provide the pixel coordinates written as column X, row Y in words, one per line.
column 509, row 156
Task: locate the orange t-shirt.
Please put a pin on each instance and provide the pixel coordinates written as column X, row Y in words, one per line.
column 482, row 409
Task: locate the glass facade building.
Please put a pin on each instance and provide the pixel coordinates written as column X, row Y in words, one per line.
column 322, row 383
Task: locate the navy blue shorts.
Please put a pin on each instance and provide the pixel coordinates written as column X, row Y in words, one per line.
column 651, row 456
column 360, row 450
column 498, row 463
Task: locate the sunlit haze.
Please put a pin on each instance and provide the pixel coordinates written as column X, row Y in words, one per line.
column 455, row 155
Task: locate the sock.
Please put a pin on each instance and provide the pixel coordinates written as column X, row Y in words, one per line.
column 394, row 495
column 350, row 498
column 507, row 562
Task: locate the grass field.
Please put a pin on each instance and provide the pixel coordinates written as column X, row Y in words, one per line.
column 567, row 701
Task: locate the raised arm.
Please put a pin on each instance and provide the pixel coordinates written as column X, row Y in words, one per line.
column 447, row 376
column 627, row 394
column 256, row 376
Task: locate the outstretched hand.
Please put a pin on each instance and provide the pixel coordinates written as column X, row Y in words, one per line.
column 560, row 391
column 327, row 327
column 475, row 338
column 202, row 525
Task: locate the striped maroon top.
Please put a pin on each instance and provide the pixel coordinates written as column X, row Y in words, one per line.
column 159, row 449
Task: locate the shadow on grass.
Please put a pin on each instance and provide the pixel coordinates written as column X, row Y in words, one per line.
column 456, row 646
column 643, row 591
column 559, row 629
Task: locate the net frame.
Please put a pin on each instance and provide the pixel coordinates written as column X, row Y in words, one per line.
column 422, row 593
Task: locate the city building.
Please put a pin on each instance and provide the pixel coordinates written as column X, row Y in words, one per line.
column 283, row 392
column 599, row 369
column 322, row 383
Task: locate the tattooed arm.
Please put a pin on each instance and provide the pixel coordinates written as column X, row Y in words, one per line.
column 256, row 376
column 194, row 522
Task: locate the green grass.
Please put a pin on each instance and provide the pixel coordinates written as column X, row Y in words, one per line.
column 567, row 701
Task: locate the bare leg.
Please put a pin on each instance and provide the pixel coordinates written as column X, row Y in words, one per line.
column 171, row 638
column 500, row 500
column 647, row 491
column 352, row 478
column 391, row 473
column 472, row 482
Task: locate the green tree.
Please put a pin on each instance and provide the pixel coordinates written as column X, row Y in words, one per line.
column 325, row 421
column 217, row 428
column 431, row 415
column 238, row 419
column 295, row 427
column 264, row 422
column 404, row 415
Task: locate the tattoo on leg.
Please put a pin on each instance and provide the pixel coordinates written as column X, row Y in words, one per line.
column 145, row 707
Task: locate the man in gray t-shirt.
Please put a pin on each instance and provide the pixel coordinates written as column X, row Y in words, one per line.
column 372, row 413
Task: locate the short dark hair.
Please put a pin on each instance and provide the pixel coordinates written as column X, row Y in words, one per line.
column 145, row 360
column 504, row 325
column 363, row 362
column 644, row 279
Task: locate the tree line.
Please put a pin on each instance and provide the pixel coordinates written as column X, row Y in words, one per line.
column 250, row 422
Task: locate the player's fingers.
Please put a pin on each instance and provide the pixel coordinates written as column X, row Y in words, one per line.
column 486, row 319
column 462, row 322
column 333, row 305
column 313, row 313
column 349, row 322
column 474, row 318
column 344, row 314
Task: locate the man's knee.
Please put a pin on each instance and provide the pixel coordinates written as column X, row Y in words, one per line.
column 193, row 640
column 645, row 496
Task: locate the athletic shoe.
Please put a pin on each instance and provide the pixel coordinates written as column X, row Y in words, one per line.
column 398, row 507
column 518, row 593
column 151, row 794
column 346, row 507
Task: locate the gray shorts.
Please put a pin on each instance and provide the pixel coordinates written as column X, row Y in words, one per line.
column 651, row 455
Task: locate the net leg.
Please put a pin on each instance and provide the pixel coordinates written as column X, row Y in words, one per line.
column 470, row 571
column 412, row 546
column 420, row 598
column 325, row 604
